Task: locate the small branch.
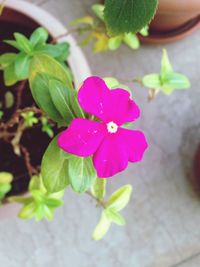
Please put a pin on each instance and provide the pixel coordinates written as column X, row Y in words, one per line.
column 27, row 158
column 99, row 202
column 20, row 90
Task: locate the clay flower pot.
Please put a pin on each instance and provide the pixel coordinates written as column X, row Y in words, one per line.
column 20, row 16
column 174, row 20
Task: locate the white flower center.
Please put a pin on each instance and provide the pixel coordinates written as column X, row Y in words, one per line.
column 112, row 127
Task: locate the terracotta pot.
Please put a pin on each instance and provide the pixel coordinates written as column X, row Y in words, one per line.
column 174, row 20
column 30, row 16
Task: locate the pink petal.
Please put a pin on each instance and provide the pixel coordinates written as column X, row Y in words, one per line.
column 93, row 97
column 121, row 108
column 82, row 138
column 111, row 157
column 135, row 142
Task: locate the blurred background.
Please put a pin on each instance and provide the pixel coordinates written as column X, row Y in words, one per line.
column 163, row 218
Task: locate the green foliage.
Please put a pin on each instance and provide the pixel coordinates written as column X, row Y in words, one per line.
column 16, row 65
column 98, row 189
column 167, row 80
column 47, row 127
column 1, row 114
column 9, row 99
column 40, row 204
column 81, row 173
column 54, row 168
column 5, row 183
column 128, row 16
column 29, row 118
column 117, row 201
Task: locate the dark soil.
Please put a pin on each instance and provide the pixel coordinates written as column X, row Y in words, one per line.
column 33, row 139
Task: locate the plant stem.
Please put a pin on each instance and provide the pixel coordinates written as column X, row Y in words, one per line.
column 99, row 202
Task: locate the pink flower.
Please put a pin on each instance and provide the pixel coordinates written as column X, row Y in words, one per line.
column 111, row 145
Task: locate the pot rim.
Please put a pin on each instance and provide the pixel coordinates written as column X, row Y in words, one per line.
column 76, row 60
column 171, row 6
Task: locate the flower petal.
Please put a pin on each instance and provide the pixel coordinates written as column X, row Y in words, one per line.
column 111, row 157
column 93, row 97
column 121, row 108
column 82, row 138
column 136, row 144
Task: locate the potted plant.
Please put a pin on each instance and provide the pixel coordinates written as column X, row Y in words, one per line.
column 62, row 127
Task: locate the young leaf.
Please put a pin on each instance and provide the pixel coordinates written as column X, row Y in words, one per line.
column 13, row 43
column 23, row 43
column 123, row 16
column 115, row 42
column 102, row 227
column 177, row 81
column 120, row 198
column 166, row 66
column 98, row 11
column 81, row 173
column 152, row 81
column 84, row 20
column 29, row 118
column 6, row 177
column 9, row 99
column 7, row 59
column 115, row 217
column 98, row 189
column 28, row 211
column 131, row 40
column 39, row 36
column 54, row 168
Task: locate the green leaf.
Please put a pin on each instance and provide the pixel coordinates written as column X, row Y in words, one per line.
column 152, row 81
column 58, row 51
column 9, row 75
column 4, row 189
column 39, row 36
column 7, row 59
column 166, row 66
column 23, row 43
column 115, row 217
column 22, row 64
column 13, row 43
column 131, row 40
column 54, row 168
column 115, row 42
column 98, row 189
column 98, row 10
column 111, row 82
column 84, row 20
column 41, row 94
column 81, row 173
column 123, row 16
column 6, row 177
column 120, row 198
column 28, row 211
column 60, row 96
column 43, row 63
column 9, row 99
column 145, row 31
column 177, row 81
column 102, row 227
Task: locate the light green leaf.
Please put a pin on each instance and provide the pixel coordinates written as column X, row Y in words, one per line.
column 23, row 43
column 115, row 42
column 22, row 63
column 102, row 227
column 13, row 43
column 166, row 66
column 9, row 99
column 131, row 40
column 81, row 173
column 98, row 11
column 9, row 75
column 6, row 177
column 111, row 82
column 28, row 211
column 4, row 189
column 115, row 217
column 84, row 20
column 177, row 81
column 54, row 168
column 39, row 36
column 152, row 81
column 98, row 189
column 58, row 51
column 145, row 31
column 128, row 15
column 7, row 59
column 119, row 199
